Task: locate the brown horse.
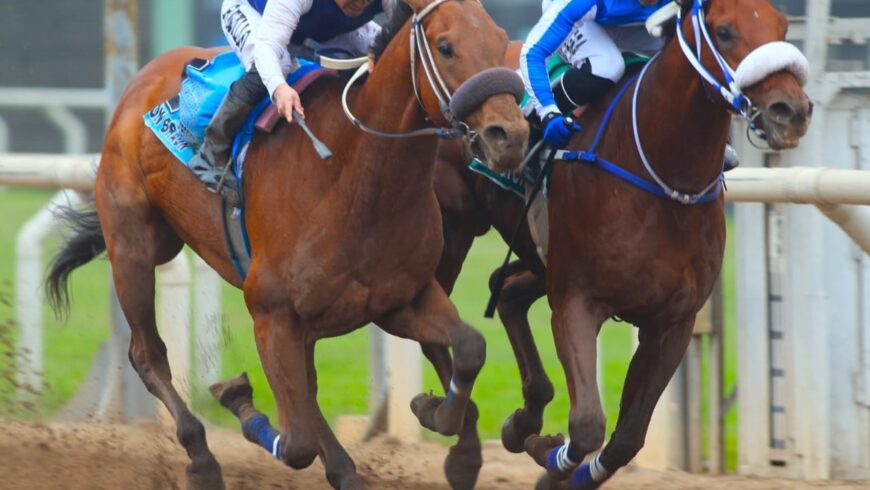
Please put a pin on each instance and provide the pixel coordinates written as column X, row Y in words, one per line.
column 618, row 250
column 335, row 244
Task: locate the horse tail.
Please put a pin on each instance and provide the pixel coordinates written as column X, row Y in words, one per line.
column 84, row 244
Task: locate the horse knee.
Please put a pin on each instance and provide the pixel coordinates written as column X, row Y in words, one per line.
column 538, row 390
column 469, row 354
column 190, row 433
column 587, row 432
column 298, row 452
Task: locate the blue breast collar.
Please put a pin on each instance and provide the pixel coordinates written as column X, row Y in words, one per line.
column 590, row 157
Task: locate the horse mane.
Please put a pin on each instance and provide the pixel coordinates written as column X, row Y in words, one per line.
column 394, row 24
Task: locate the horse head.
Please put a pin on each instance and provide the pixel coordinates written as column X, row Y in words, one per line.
column 767, row 85
column 460, row 80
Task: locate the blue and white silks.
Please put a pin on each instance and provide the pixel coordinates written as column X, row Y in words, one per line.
column 560, row 18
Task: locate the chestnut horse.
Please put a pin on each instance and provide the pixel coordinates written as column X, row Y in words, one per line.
column 616, row 249
column 335, row 244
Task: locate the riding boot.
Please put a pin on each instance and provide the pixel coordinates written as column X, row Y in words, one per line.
column 211, row 164
column 731, row 159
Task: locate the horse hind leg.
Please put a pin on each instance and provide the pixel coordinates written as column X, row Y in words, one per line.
column 465, row 458
column 521, row 289
column 137, row 241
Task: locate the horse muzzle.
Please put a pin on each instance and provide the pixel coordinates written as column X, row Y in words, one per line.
column 488, row 103
column 773, row 76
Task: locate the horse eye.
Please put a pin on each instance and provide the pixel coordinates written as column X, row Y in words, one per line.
column 723, row 33
column 445, row 49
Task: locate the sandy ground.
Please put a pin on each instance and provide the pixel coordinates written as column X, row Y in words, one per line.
column 67, row 456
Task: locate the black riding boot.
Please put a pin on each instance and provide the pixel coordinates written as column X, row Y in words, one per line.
column 211, row 163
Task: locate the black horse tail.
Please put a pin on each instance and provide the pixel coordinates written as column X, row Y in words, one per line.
column 85, row 243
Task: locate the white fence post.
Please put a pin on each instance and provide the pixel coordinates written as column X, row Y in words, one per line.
column 28, row 291
column 405, row 381
column 207, row 323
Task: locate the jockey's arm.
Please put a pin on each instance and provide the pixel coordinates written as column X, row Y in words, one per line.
column 544, row 39
column 279, row 22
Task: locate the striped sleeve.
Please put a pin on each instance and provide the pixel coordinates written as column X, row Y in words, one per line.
column 544, row 39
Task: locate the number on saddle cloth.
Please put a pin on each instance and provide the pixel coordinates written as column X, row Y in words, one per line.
column 180, row 123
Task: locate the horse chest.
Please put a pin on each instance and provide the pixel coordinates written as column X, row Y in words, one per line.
column 342, row 275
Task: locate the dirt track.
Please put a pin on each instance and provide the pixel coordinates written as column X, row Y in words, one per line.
column 146, row 456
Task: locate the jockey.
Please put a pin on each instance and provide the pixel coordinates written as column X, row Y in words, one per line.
column 589, row 35
column 261, row 32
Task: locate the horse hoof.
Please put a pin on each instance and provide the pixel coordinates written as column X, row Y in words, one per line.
column 234, row 392
column 424, row 407
column 352, row 482
column 538, row 447
column 547, row 483
column 462, row 466
column 517, row 428
column 205, row 476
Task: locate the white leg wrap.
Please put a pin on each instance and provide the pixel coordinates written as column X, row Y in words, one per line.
column 454, row 388
column 597, row 470
column 275, row 446
column 563, row 459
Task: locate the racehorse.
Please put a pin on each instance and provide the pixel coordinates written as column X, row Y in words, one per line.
column 335, row 244
column 649, row 256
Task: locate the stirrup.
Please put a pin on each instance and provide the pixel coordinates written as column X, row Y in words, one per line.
column 227, row 187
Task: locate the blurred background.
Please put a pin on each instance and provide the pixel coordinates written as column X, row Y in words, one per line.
column 52, row 101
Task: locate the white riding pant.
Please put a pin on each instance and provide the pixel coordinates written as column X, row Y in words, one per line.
column 602, row 46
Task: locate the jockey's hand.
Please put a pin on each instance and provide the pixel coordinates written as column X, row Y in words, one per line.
column 371, row 63
column 558, row 130
column 287, row 99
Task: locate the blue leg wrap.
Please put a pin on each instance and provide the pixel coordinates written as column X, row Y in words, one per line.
column 560, row 459
column 590, row 475
column 258, row 430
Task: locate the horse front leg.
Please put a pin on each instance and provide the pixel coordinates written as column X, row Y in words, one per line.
column 575, row 329
column 660, row 349
column 432, row 319
column 465, row 458
column 521, row 289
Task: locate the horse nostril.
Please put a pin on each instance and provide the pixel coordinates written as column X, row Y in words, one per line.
column 781, row 112
column 495, row 133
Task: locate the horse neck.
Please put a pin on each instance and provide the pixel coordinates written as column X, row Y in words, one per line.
column 682, row 128
column 387, row 103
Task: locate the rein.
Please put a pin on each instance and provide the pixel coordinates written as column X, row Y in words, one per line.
column 471, row 93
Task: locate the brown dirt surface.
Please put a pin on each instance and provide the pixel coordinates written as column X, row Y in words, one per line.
column 69, row 456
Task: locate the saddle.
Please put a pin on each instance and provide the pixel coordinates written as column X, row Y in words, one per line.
column 180, row 124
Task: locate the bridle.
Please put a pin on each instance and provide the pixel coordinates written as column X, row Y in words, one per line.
column 454, row 107
column 756, row 66
column 763, row 61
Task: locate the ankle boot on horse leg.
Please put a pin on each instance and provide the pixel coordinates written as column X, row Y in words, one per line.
column 211, row 163
column 236, row 395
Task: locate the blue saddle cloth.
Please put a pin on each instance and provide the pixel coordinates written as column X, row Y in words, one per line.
column 180, row 123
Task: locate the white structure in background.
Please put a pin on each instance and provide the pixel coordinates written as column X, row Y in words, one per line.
column 803, row 286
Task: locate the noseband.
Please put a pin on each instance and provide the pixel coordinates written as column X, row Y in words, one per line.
column 454, row 107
